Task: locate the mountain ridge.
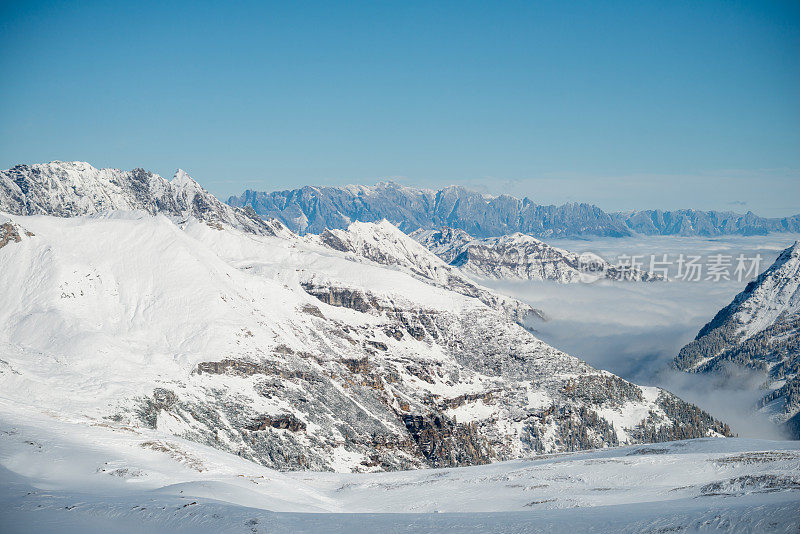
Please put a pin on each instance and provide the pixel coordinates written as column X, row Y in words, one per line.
column 67, row 189
column 310, row 209
column 759, row 330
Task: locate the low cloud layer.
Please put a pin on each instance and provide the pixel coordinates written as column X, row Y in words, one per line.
column 635, row 329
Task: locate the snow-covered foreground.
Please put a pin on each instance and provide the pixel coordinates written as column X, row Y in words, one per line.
column 70, row 475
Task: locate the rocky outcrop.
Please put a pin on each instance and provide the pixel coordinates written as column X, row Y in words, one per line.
column 281, row 422
column 445, row 443
column 11, row 232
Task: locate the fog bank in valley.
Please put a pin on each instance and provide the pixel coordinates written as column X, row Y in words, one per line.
column 635, row 329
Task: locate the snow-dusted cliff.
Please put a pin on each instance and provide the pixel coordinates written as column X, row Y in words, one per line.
column 759, row 330
column 520, row 256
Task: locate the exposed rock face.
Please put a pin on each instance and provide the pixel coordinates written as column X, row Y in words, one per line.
column 445, row 443
column 407, row 423
column 313, row 209
column 520, row 256
column 10, row 232
column 68, row 189
column 282, row 422
column 759, row 330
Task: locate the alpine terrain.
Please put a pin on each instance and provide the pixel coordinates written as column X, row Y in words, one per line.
column 520, row 256
column 162, row 309
column 759, row 330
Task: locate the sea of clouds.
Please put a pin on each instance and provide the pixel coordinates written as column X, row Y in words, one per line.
column 635, row 329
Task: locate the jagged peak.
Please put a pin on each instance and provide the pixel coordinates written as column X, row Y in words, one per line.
column 182, row 181
column 519, row 236
column 790, row 256
column 59, row 163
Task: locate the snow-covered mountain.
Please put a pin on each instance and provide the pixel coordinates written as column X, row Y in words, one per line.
column 292, row 354
column 759, row 330
column 313, row 209
column 520, row 256
column 356, row 350
column 67, row 189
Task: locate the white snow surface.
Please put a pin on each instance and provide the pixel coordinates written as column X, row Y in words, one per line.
column 79, row 474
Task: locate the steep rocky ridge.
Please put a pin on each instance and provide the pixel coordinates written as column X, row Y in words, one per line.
column 313, row 209
column 385, row 244
column 759, row 330
column 705, row 223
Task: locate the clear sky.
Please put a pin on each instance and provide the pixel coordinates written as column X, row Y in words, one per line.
column 624, row 104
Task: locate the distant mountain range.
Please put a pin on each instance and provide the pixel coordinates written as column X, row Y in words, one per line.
column 759, row 330
column 312, row 209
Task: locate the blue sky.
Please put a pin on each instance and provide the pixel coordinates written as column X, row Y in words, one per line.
column 623, row 104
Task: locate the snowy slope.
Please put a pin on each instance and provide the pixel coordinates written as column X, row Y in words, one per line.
column 66, row 189
column 292, row 354
column 760, row 330
column 385, row 244
column 60, row 474
column 520, row 256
